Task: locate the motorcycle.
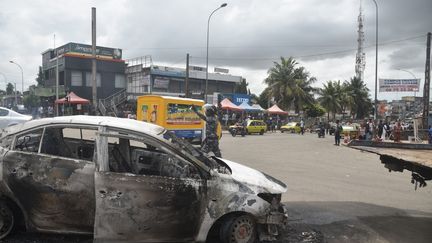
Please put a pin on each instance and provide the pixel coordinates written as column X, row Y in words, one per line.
column 321, row 132
column 237, row 130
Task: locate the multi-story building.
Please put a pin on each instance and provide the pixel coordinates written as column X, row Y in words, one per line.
column 145, row 78
column 75, row 69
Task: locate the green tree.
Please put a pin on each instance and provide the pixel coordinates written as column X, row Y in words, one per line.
column 241, row 88
column 39, row 79
column 31, row 101
column 264, row 98
column 290, row 86
column 330, row 97
column 9, row 89
column 361, row 104
column 314, row 110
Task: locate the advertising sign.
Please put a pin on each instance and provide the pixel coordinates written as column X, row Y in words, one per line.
column 87, row 50
column 161, row 83
column 399, row 85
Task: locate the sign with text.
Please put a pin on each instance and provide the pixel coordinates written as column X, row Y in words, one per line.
column 399, row 85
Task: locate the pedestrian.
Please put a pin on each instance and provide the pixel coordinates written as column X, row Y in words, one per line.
column 430, row 134
column 211, row 142
column 338, row 130
column 302, row 126
column 380, row 134
column 397, row 132
column 386, row 131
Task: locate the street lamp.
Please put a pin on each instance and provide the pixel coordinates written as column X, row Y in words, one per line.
column 208, row 27
column 22, row 76
column 412, row 75
column 376, row 62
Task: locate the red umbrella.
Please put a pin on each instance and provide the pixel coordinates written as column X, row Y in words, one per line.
column 72, row 99
column 276, row 110
column 227, row 104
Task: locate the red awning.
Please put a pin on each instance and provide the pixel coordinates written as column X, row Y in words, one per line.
column 276, row 110
column 72, row 99
column 227, row 104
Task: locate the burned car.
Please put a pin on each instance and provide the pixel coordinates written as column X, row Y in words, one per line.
column 125, row 180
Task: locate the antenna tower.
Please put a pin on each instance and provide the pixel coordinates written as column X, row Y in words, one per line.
column 360, row 56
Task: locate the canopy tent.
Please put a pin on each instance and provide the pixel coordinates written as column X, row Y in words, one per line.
column 72, row 99
column 257, row 106
column 276, row 110
column 227, row 104
column 246, row 107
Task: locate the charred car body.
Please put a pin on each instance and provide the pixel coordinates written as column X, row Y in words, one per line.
column 126, row 180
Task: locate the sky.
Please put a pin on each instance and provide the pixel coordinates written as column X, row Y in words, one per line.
column 247, row 36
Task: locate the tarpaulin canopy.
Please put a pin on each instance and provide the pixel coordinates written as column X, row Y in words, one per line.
column 72, row 99
column 257, row 106
column 246, row 107
column 276, row 110
column 227, row 104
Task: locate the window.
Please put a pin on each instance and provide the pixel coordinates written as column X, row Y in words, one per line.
column 89, row 79
column 75, row 143
column 76, row 78
column 120, row 81
column 129, row 155
column 29, row 141
column 4, row 112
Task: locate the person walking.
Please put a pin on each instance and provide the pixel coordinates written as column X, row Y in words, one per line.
column 380, row 131
column 302, row 126
column 338, row 130
column 397, row 132
column 211, row 142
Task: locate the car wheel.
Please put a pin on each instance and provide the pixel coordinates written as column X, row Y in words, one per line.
column 262, row 132
column 7, row 220
column 282, row 131
column 240, row 229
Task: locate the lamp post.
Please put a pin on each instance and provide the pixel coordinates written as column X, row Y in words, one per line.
column 376, row 61
column 412, row 75
column 22, row 76
column 208, row 27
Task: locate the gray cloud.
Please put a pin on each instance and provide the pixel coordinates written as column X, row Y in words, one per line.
column 246, row 35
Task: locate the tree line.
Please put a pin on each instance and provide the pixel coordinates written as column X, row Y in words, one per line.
column 290, row 86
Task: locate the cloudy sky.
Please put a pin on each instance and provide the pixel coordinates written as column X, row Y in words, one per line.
column 246, row 37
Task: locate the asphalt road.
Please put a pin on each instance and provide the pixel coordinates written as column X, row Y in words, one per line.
column 337, row 194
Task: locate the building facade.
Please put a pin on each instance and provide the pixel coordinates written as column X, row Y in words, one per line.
column 75, row 69
column 162, row 80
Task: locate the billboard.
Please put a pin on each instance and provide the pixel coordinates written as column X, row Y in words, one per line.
column 86, row 50
column 399, row 85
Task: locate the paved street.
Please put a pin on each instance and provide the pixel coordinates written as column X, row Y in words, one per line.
column 337, row 194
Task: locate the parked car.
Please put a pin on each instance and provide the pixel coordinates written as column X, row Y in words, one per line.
column 9, row 117
column 293, row 127
column 126, row 180
column 256, row 126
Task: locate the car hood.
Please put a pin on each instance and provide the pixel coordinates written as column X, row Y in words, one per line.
column 256, row 180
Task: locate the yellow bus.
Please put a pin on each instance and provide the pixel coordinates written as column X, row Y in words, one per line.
column 174, row 114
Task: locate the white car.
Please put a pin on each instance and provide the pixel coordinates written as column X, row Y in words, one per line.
column 9, row 117
column 123, row 180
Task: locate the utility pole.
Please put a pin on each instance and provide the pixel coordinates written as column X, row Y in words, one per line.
column 426, row 89
column 56, row 77
column 94, row 83
column 187, row 77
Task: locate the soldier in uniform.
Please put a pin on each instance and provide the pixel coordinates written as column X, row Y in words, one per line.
column 210, row 143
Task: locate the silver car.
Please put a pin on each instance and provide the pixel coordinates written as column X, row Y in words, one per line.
column 9, row 117
column 129, row 181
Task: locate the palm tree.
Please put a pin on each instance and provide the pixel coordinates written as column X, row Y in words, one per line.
column 361, row 103
column 290, row 86
column 330, row 97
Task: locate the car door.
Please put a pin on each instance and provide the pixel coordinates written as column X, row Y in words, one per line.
column 143, row 192
column 54, row 189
